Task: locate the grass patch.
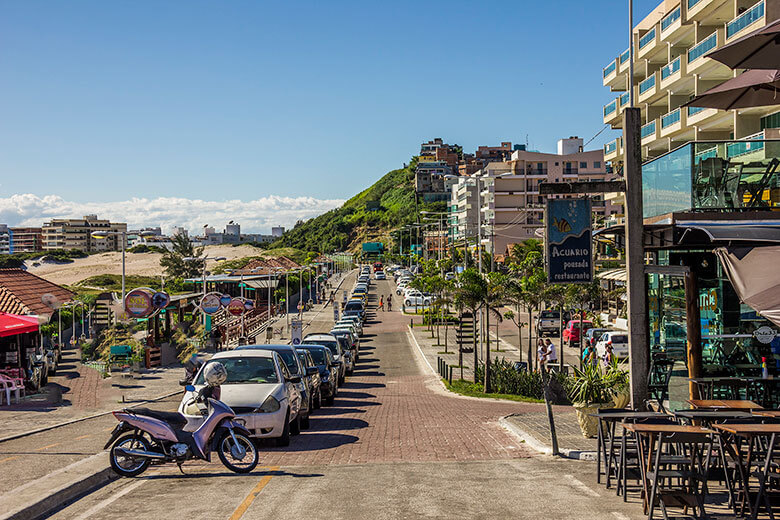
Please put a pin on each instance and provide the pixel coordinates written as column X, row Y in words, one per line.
column 470, row 389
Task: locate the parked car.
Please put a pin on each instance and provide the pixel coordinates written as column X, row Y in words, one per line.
column 355, row 308
column 571, row 333
column 329, row 370
column 350, row 346
column 592, row 336
column 290, row 357
column 380, row 275
column 414, row 298
column 313, row 375
column 355, row 320
column 347, row 324
column 329, row 341
column 618, row 340
column 548, row 321
column 449, row 276
column 260, row 390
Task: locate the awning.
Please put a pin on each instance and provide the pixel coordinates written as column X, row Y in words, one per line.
column 261, row 284
column 730, row 233
column 12, row 324
column 754, row 275
column 618, row 274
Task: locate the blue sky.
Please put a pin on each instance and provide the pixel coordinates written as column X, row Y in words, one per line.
column 236, row 101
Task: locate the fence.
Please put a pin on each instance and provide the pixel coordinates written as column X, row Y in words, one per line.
column 445, row 370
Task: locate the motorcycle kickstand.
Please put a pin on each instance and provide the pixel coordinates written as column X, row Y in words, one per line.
column 180, row 469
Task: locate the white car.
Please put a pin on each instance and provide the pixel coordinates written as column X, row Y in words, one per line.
column 618, row 340
column 259, row 389
column 380, row 275
column 330, row 341
column 416, row 298
column 344, row 324
column 355, row 320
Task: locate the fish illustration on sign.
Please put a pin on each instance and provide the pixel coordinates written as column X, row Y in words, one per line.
column 562, row 225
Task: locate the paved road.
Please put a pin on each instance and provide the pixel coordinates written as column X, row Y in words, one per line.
column 394, row 445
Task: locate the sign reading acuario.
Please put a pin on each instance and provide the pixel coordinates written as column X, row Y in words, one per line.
column 568, row 241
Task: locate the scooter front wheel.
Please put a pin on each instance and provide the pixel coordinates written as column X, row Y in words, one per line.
column 126, row 465
column 240, row 456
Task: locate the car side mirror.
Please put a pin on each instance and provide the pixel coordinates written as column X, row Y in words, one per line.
column 294, row 379
column 310, row 371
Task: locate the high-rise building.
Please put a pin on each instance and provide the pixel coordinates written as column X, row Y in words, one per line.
column 463, row 210
column 671, row 66
column 6, row 247
column 26, row 239
column 277, row 231
column 77, row 234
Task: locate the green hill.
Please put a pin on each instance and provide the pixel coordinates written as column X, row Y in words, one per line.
column 368, row 216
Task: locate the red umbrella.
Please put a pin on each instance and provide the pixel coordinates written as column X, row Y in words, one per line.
column 759, row 49
column 753, row 88
column 12, row 324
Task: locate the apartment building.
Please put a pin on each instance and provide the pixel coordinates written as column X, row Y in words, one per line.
column 463, row 210
column 671, row 66
column 26, row 239
column 6, row 247
column 77, row 234
column 512, row 208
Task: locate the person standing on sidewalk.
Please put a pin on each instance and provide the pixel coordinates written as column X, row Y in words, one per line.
column 389, row 302
column 541, row 354
column 552, row 355
column 382, row 303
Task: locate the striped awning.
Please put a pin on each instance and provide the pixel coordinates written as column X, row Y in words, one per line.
column 618, row 274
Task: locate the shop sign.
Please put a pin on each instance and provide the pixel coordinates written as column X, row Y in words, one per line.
column 138, row 303
column 569, row 247
column 249, row 305
column 160, row 300
column 236, row 307
column 764, row 334
column 225, row 300
column 211, row 303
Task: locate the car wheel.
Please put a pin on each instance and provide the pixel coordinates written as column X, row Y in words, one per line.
column 284, row 440
column 295, row 426
column 408, row 303
column 318, row 400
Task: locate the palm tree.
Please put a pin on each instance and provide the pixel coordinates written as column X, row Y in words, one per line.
column 493, row 298
column 470, row 295
column 513, row 294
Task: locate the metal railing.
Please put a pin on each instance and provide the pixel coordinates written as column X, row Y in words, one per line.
column 648, row 129
column 624, row 57
column 672, row 67
column 744, row 147
column 609, row 108
column 670, row 18
column 749, row 17
column 694, row 110
column 609, row 69
column 703, row 47
column 647, row 84
column 610, row 147
column 670, row 118
column 692, row 3
column 647, row 38
column 624, row 99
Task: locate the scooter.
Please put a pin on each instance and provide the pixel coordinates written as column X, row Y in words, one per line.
column 145, row 436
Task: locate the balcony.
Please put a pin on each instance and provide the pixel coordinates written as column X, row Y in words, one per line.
column 613, row 149
column 695, row 57
column 623, row 62
column 713, row 176
column 671, row 23
column 648, row 133
column 648, row 42
column 648, row 88
column 672, row 122
column 749, row 19
column 697, row 115
column 611, row 111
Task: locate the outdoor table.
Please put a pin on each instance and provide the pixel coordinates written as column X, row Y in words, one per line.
column 607, row 454
column 646, row 434
column 706, row 385
column 730, row 433
column 731, row 404
column 713, row 416
column 773, row 414
column 764, row 389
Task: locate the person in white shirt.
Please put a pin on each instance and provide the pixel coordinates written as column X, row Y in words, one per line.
column 541, row 353
column 552, row 356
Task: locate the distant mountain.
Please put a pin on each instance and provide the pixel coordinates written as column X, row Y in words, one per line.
column 368, row 216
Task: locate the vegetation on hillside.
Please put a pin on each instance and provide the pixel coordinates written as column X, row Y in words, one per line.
column 54, row 255
column 354, row 222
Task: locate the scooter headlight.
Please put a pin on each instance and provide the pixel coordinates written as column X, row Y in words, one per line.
column 270, row 405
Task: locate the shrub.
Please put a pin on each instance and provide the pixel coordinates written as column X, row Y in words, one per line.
column 505, row 379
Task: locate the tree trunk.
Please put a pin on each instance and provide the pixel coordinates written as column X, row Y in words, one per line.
column 531, row 347
column 446, row 325
column 519, row 333
column 476, row 332
column 487, row 351
column 530, row 344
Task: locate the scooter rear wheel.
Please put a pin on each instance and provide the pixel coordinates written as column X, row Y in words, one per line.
column 226, row 448
column 125, row 465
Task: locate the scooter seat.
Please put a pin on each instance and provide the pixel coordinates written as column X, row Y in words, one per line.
column 174, row 419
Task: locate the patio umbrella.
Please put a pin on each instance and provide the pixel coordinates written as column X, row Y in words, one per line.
column 753, row 88
column 12, row 324
column 754, row 277
column 758, row 50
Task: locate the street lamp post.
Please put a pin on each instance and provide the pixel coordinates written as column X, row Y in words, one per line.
column 205, row 259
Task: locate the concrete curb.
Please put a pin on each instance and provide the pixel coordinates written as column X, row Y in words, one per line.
column 73, row 421
column 539, row 446
column 61, row 494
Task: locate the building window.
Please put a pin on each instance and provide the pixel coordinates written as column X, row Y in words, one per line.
column 583, row 165
column 556, row 163
column 770, row 121
column 597, row 164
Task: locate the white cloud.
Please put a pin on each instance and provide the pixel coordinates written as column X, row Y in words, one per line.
column 255, row 216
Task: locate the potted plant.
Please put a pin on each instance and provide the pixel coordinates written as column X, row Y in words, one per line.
column 137, row 357
column 618, row 383
column 590, row 392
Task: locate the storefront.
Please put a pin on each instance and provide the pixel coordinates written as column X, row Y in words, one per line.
column 19, row 345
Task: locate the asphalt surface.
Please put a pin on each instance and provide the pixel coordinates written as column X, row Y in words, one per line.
column 394, row 445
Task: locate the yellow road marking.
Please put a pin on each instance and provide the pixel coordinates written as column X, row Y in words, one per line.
column 82, row 437
column 241, row 509
column 9, row 458
column 49, row 446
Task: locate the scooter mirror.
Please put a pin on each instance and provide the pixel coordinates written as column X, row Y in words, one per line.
column 189, row 388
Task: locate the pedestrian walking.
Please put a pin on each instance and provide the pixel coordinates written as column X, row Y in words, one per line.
column 382, row 303
column 609, row 355
column 541, row 354
column 552, row 355
column 389, row 302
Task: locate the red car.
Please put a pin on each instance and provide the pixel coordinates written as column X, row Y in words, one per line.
column 571, row 334
column 378, row 266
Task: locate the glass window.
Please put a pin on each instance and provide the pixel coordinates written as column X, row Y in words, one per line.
column 331, row 344
column 666, row 183
column 597, row 164
column 583, row 165
column 248, row 369
column 318, row 356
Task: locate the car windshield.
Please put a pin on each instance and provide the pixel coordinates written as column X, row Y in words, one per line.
column 549, row 314
column 344, row 341
column 302, row 357
column 354, row 306
column 331, row 344
column 248, row 369
column 318, row 356
column 619, row 339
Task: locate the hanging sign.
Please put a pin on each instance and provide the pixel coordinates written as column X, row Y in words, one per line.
column 236, row 307
column 568, row 241
column 138, row 303
column 160, row 300
column 249, row 305
column 211, row 303
column 225, row 300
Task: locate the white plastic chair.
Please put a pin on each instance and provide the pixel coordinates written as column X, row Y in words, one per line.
column 7, row 384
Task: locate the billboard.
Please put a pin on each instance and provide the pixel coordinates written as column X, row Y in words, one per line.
column 373, row 247
column 568, row 241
